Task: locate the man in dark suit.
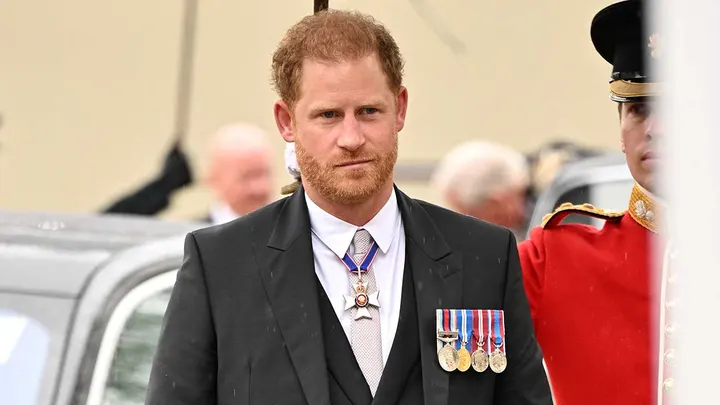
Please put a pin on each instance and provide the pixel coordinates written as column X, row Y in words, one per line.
column 330, row 296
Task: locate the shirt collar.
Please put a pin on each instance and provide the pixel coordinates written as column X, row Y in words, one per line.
column 646, row 209
column 337, row 234
column 221, row 213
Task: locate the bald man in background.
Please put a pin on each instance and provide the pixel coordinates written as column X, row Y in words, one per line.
column 487, row 181
column 238, row 174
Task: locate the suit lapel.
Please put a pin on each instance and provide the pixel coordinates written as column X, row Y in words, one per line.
column 287, row 270
column 437, row 275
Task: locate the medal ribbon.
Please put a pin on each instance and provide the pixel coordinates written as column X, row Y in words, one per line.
column 501, row 321
column 443, row 324
column 499, row 329
column 454, row 314
column 439, row 325
column 488, row 318
column 476, row 330
column 366, row 262
column 467, row 328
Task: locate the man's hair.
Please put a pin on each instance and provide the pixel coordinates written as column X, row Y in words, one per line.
column 238, row 137
column 333, row 36
column 475, row 170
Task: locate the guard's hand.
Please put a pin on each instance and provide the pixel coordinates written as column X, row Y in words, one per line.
column 176, row 169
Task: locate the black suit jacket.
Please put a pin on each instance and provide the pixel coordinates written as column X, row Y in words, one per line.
column 244, row 326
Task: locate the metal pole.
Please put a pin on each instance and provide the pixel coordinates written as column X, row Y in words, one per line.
column 320, row 5
column 185, row 71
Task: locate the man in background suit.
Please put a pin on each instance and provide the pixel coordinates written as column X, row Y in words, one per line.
column 329, row 296
column 485, row 180
column 239, row 172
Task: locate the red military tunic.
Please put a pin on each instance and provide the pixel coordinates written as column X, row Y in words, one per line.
column 594, row 299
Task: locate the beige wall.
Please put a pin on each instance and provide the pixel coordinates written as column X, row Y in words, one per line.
column 87, row 88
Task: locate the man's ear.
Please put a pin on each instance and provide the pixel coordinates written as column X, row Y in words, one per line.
column 401, row 102
column 283, row 120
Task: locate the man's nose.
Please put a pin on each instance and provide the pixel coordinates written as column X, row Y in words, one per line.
column 652, row 127
column 351, row 137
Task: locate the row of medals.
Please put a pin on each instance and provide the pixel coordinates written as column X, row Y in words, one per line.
column 452, row 359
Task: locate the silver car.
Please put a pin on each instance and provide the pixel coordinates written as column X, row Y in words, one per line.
column 81, row 305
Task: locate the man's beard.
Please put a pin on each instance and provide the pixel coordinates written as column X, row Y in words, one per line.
column 347, row 186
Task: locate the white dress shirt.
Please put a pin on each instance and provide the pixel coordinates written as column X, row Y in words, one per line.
column 221, row 213
column 331, row 238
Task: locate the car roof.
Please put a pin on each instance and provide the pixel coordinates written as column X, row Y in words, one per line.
column 50, row 253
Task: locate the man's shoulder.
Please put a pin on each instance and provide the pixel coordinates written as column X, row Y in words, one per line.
column 261, row 220
column 555, row 218
column 552, row 232
column 460, row 225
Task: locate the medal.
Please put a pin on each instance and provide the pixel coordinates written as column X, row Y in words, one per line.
column 447, row 356
column 447, row 333
column 498, row 359
column 465, row 360
column 361, row 298
column 480, row 360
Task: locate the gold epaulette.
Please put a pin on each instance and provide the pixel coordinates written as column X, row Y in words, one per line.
column 561, row 212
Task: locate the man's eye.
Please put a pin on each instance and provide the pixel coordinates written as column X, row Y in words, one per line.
column 328, row 114
column 369, row 110
column 640, row 109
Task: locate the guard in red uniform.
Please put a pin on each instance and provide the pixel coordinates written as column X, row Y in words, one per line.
column 596, row 294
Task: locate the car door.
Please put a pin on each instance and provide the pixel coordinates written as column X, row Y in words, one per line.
column 122, row 368
column 118, row 321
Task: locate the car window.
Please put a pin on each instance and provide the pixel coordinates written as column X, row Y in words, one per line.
column 24, row 346
column 128, row 375
column 33, row 332
column 128, row 346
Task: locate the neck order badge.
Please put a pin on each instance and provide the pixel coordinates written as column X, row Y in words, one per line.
column 361, row 298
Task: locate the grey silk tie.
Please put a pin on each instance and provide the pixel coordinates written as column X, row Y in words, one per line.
column 365, row 333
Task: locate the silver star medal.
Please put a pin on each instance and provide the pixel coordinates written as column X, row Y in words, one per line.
column 362, row 300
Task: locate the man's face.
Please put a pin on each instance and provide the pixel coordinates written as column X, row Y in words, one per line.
column 640, row 131
column 345, row 128
column 513, row 201
column 243, row 179
column 505, row 208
